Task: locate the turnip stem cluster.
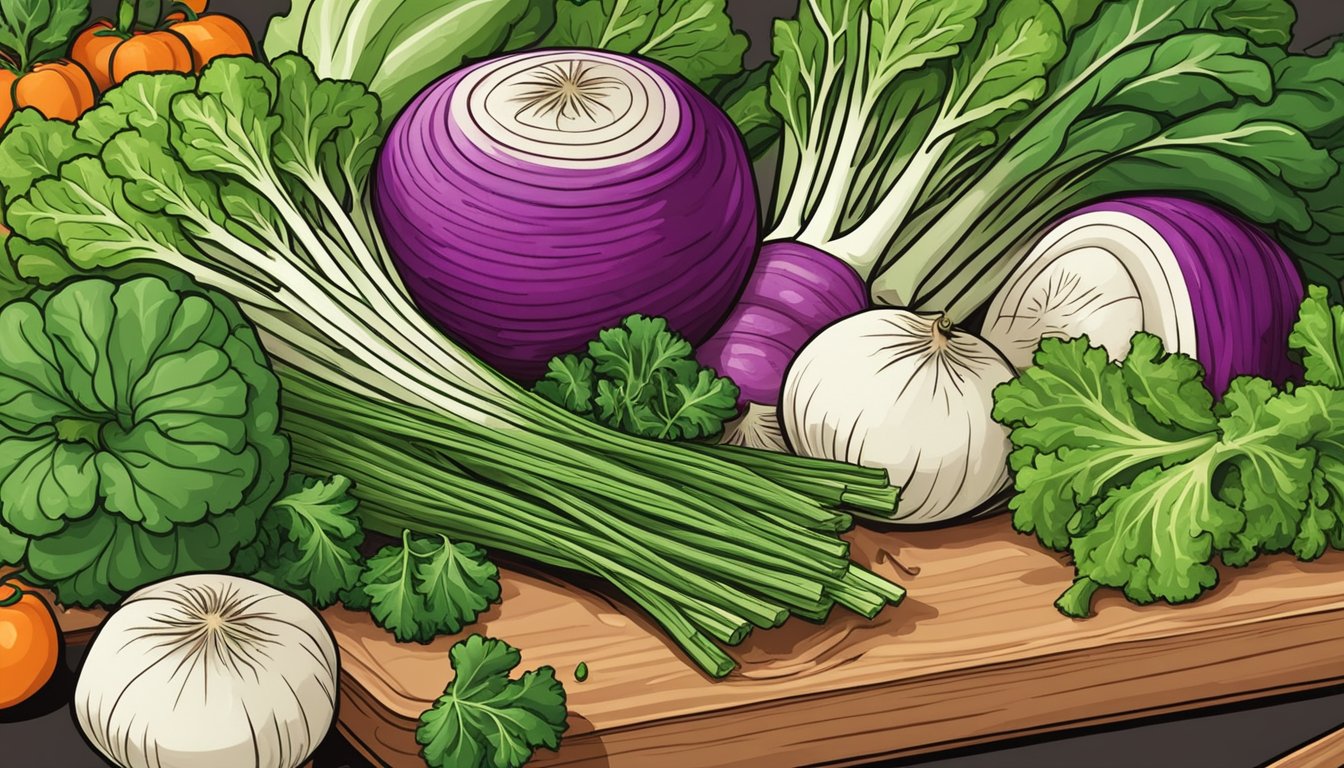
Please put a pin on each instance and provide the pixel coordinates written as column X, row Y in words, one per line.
column 707, row 547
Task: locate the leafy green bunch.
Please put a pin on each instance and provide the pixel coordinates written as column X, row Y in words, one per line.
column 642, row 379
column 1136, row 471
column 926, row 141
column 139, row 437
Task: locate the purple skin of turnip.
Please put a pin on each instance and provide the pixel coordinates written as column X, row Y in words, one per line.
column 793, row 292
column 1210, row 284
column 533, row 199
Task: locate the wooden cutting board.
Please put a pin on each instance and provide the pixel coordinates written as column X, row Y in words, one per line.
column 976, row 653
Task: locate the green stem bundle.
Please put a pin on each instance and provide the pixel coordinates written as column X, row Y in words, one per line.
column 708, row 561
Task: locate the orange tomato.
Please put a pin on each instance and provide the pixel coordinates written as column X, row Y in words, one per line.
column 183, row 45
column 7, row 80
column 159, row 51
column 29, row 644
column 214, row 35
column 94, row 51
column 60, row 90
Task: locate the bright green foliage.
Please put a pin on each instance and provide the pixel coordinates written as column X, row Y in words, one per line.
column 33, row 31
column 640, row 378
column 309, row 541
column 1091, row 429
column 1133, row 469
column 693, row 37
column 425, row 587
column 1319, row 336
column 139, row 435
column 397, row 47
column 486, row 720
column 925, row 141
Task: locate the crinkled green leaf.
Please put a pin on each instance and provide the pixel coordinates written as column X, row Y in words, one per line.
column 425, row 587
column 309, row 542
column 1324, row 524
column 569, row 383
column 227, row 124
column 1313, row 537
column 86, row 212
column 1155, row 537
column 325, row 123
column 1154, row 376
column 695, row 37
column 141, row 102
column 1271, row 472
column 1318, row 338
column 487, row 720
column 33, row 147
column 1078, row 430
column 134, row 410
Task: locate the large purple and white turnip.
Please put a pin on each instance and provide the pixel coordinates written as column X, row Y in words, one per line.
column 1207, row 283
column 532, row 199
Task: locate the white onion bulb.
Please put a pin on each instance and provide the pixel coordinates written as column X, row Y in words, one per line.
column 208, row 671
column 910, row 394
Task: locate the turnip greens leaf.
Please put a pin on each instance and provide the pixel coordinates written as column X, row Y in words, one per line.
column 425, row 587
column 485, row 719
column 642, row 379
column 1134, row 470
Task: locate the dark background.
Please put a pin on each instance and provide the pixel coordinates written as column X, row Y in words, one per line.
column 43, row 735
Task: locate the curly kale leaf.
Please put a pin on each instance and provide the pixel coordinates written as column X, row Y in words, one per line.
column 309, row 542
column 484, row 719
column 641, row 378
column 1133, row 469
column 425, row 587
column 1082, row 426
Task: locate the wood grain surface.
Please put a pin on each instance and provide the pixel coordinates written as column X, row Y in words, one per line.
column 976, row 653
column 1325, row 752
